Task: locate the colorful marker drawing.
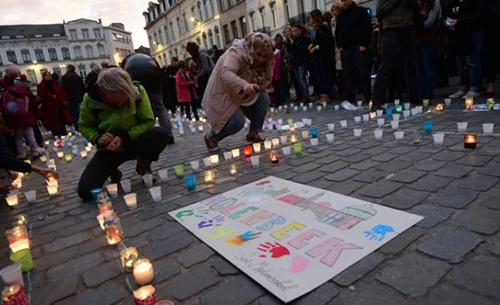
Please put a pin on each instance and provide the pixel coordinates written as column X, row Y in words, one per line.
column 299, row 263
column 378, row 232
column 222, row 233
column 243, row 238
column 211, row 222
column 275, row 249
column 180, row 215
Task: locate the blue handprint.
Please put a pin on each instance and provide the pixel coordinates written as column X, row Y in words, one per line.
column 378, row 232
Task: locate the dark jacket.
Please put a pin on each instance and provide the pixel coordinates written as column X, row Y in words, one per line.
column 397, row 13
column 354, row 28
column 324, row 39
column 169, row 94
column 73, row 84
column 298, row 50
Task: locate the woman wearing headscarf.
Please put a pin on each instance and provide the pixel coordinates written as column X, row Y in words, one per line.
column 237, row 89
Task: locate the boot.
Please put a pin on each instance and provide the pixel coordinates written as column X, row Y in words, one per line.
column 254, row 137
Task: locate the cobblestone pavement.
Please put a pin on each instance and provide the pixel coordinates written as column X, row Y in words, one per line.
column 451, row 257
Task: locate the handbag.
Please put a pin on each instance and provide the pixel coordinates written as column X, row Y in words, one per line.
column 14, row 104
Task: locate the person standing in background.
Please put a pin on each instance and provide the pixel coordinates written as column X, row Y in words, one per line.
column 74, row 87
column 205, row 64
column 168, row 78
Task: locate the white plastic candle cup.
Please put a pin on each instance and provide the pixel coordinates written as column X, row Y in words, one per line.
column 255, row 160
column 380, row 113
column 318, row 108
column 380, row 122
column 310, row 104
column 378, row 133
column 148, row 180
column 399, row 135
column 336, row 107
column 12, row 200
column 407, row 106
column 414, row 111
column 195, row 165
column 155, row 192
column 420, row 109
column 284, row 140
column 406, row 114
column 461, row 126
column 207, row 162
column 51, row 189
column 12, row 274
column 295, row 108
column 30, row 196
column 330, row 138
column 366, row 117
column 438, row 138
column 394, row 124
column 131, row 200
column 396, row 102
column 331, row 126
column 275, row 142
column 447, row 102
column 126, row 185
column 43, row 158
column 256, row 147
column 360, row 103
column 304, row 108
column 287, row 150
column 163, row 174
column 83, row 154
column 214, row 159
column 357, row 119
column 228, row 156
column 425, row 103
column 268, row 144
column 235, row 153
column 314, row 141
column 395, row 117
column 343, row 123
column 112, row 190
column 358, row 132
column 488, row 128
column 143, row 272
column 305, row 134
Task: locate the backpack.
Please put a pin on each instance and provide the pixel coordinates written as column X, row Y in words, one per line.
column 14, row 103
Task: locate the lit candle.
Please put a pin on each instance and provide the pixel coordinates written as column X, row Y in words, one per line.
column 143, row 271
column 128, row 257
column 469, row 103
column 88, row 148
column 20, row 220
column 235, row 152
column 373, row 115
column 60, row 154
column 247, row 151
column 470, row 141
column 52, row 189
column 293, row 138
column 256, row 147
column 209, row 176
column 18, row 238
column 274, row 156
column 14, row 295
column 233, row 169
column 439, row 107
column 130, row 200
column 105, row 206
column 268, row 144
column 145, row 295
column 275, row 142
column 43, row 158
column 12, row 200
column 112, row 190
column 214, row 159
column 113, row 234
column 68, row 157
column 83, row 154
column 200, row 128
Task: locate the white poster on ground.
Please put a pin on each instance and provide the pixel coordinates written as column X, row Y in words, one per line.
column 291, row 238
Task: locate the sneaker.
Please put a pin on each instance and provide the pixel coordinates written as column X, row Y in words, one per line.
column 460, row 93
column 471, row 93
column 212, row 145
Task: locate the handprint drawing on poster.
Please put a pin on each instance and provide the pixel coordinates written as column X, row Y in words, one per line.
column 276, row 250
column 378, row 232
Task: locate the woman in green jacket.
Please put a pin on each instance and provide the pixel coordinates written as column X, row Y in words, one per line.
column 117, row 116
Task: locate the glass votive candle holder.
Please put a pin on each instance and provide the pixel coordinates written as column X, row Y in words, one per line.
column 12, row 200
column 113, row 233
column 488, row 128
column 12, row 274
column 330, row 138
column 131, row 200
column 68, row 157
column 284, row 140
column 227, row 156
column 343, row 123
column 52, row 189
column 112, row 190
column 209, row 176
column 155, row 192
column 148, row 180
column 143, row 271
column 406, row 114
column 275, row 142
column 470, row 141
column 83, row 154
column 255, row 161
column 395, row 117
column 438, row 138
column 247, row 150
column 357, row 119
column 314, row 132
column 235, row 153
column 331, row 126
column 425, row 103
column 314, row 141
column 428, row 126
column 256, row 147
column 179, row 170
column 462, row 126
column 336, row 107
column 305, row 134
column 268, row 144
column 207, row 162
column 145, row 295
column 163, row 174
column 287, row 150
column 357, row 132
column 17, row 238
column 20, row 220
column 60, row 154
column 128, row 257
column 399, row 135
column 378, row 133
column 297, row 147
column 126, row 185
column 214, row 159
column 190, row 181
column 394, row 124
column 380, row 122
column 233, row 169
column 274, row 156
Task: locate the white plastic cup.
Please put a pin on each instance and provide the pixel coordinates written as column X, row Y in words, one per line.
column 378, row 133
column 287, row 150
column 126, row 185
column 207, row 162
column 30, row 196
column 12, row 274
column 357, row 119
column 155, row 193
column 228, row 156
column 366, row 117
column 406, row 114
column 163, row 174
column 131, row 200
column 148, row 180
column 331, row 126
column 314, row 141
column 330, row 137
column 380, row 122
column 447, row 102
column 360, row 103
column 343, row 123
column 318, row 108
column 414, row 111
column 407, row 106
column 462, row 126
column 275, row 142
column 255, row 160
column 380, row 113
column 195, row 165
column 396, row 102
column 438, row 138
column 399, row 135
column 112, row 190
column 305, row 134
column 284, row 140
column 268, row 144
column 256, row 147
column 488, row 128
column 394, row 124
column 336, row 107
column 358, row 132
column 396, row 117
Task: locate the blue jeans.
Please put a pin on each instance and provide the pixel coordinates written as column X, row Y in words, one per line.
column 426, row 69
column 300, row 75
column 256, row 113
column 470, row 65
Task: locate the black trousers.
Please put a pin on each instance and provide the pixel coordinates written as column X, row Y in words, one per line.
column 188, row 107
column 357, row 73
column 394, row 41
column 148, row 146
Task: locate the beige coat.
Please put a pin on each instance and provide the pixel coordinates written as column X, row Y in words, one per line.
column 224, row 92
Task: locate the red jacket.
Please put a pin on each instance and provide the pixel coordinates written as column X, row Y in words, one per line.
column 55, row 115
column 182, row 86
column 17, row 121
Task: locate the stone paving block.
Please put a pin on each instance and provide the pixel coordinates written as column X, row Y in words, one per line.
column 333, row 167
column 491, row 201
column 414, row 156
column 82, row 226
column 490, row 170
column 74, row 267
column 165, row 230
column 194, row 255
column 341, row 175
column 320, row 183
column 267, row 299
column 480, row 274
column 190, row 283
column 407, row 176
column 237, row 290
column 106, row 294
column 320, row 296
column 453, row 171
column 454, row 198
column 370, row 176
column 222, row 266
column 447, row 294
column 480, row 220
column 46, row 221
column 474, row 160
column 359, row 269
column 142, row 226
column 404, row 198
column 65, row 242
column 450, row 245
column 402, row 241
column 55, row 291
column 168, row 246
column 65, row 223
column 413, row 274
column 165, row 268
column 328, row 160
column 371, row 293
column 380, row 189
column 402, row 150
column 364, row 165
column 356, row 158
column 306, row 167
column 448, row 156
column 478, row 183
column 101, row 273
column 37, row 240
column 385, row 157
column 394, row 166
column 221, row 188
column 430, row 183
column 308, row 177
column 379, row 150
column 433, row 214
column 429, row 165
column 348, row 152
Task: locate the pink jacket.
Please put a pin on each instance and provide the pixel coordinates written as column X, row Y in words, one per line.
column 224, row 92
column 277, row 66
column 182, row 88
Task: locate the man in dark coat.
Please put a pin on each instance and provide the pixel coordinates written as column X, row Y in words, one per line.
column 73, row 84
column 204, row 62
column 168, row 77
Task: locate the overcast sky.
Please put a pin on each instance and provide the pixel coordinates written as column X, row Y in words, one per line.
column 128, row 12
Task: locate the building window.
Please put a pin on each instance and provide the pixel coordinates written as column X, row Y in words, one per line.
column 65, row 53
column 227, row 37
column 229, row 3
column 210, row 39
column 243, row 26
column 273, row 14
column 85, row 34
column 179, row 26
column 11, row 57
column 73, row 34
column 198, row 10
column 31, row 76
column 212, row 8
column 234, row 29
column 160, row 36
column 97, row 33
column 82, row 70
column 53, row 54
column 254, row 21
column 217, row 36
column 205, row 9
column 26, row 56
column 78, row 52
column 1, row 61
column 120, row 37
column 205, row 42
column 221, row 5
column 172, row 32
column 90, row 51
column 167, row 38
column 39, row 55
column 155, row 41
column 185, row 22
column 101, row 50
column 286, row 4
column 263, row 16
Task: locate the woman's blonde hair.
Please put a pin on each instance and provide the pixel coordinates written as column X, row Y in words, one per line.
column 117, row 79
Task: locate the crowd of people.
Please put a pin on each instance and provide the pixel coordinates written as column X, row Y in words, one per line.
column 414, row 46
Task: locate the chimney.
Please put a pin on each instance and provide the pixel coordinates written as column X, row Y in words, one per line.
column 100, row 21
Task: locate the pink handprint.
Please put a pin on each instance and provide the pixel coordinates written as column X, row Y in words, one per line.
column 299, row 263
